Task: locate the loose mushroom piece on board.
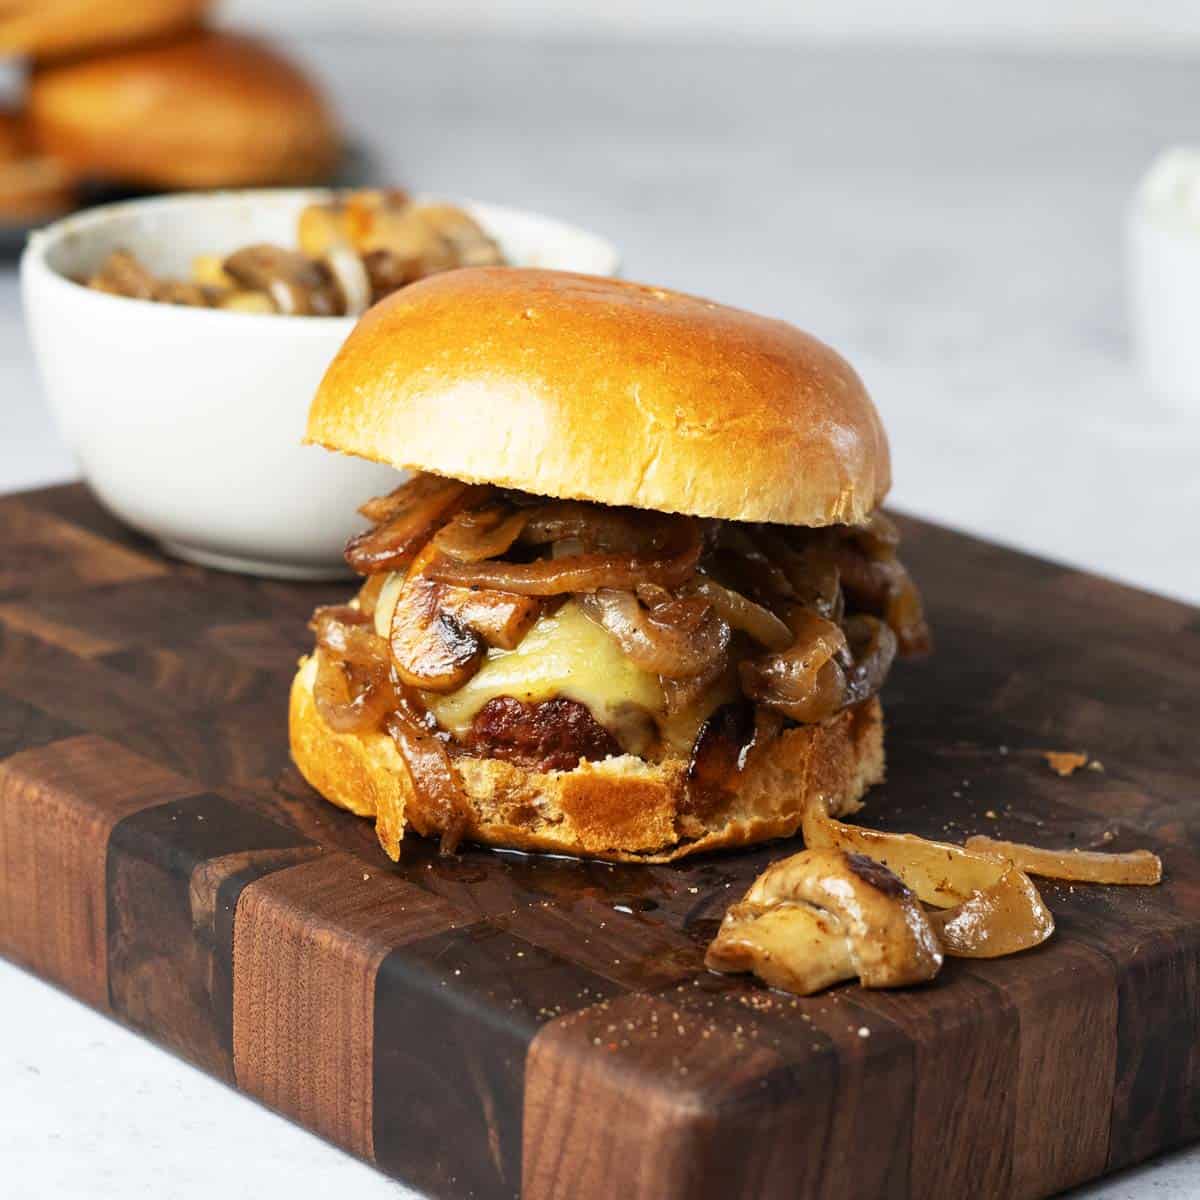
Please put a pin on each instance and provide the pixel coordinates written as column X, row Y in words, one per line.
column 822, row 916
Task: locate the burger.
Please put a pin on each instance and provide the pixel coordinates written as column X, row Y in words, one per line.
column 636, row 598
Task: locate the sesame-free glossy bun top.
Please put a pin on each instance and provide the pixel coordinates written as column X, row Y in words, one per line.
column 44, row 29
column 588, row 388
column 209, row 110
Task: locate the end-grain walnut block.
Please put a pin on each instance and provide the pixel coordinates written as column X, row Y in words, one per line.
column 504, row 1025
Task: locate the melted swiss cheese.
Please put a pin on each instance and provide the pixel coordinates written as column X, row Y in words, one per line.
column 565, row 655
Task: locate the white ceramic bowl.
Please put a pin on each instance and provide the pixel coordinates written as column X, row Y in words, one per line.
column 186, row 422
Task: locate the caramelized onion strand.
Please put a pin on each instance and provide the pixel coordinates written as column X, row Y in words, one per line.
column 1139, row 867
column 413, row 511
column 600, row 527
column 348, row 636
column 805, row 682
column 585, row 572
column 439, row 802
column 991, row 907
column 343, row 712
column 662, row 647
column 481, row 533
column 742, row 613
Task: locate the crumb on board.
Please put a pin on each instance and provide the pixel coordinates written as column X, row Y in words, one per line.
column 1065, row 762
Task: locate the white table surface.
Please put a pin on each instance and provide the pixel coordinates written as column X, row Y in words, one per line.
column 952, row 222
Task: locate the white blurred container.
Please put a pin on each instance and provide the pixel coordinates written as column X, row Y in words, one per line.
column 1164, row 277
column 186, row 422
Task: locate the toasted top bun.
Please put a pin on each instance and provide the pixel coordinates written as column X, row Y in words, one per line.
column 49, row 28
column 13, row 137
column 210, row 110
column 587, row 388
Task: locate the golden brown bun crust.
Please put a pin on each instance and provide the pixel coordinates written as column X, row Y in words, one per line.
column 212, row 110
column 621, row 809
column 35, row 189
column 52, row 28
column 32, row 187
column 579, row 387
column 14, row 137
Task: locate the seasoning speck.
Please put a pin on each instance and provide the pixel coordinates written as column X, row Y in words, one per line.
column 1064, row 762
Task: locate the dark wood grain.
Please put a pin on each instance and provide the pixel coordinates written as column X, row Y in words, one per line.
column 170, row 868
column 58, row 807
column 455, row 1015
column 45, row 553
column 638, row 1097
column 309, row 1051
column 1065, row 1006
column 493, row 1024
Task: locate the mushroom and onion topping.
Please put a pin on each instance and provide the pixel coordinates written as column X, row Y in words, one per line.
column 886, row 907
column 981, row 906
column 353, row 251
column 549, row 632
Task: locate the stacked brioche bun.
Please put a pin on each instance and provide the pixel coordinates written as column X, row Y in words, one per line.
column 205, row 110
column 143, row 95
column 33, row 186
column 46, row 29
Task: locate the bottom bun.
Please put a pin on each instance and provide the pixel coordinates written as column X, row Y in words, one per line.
column 622, row 809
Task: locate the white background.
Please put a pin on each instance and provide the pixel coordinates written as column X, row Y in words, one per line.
column 951, row 219
column 1172, row 25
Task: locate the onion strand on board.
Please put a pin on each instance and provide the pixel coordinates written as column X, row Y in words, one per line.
column 979, row 901
column 1076, row 866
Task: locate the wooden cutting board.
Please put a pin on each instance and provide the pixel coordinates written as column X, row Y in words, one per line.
column 502, row 1025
